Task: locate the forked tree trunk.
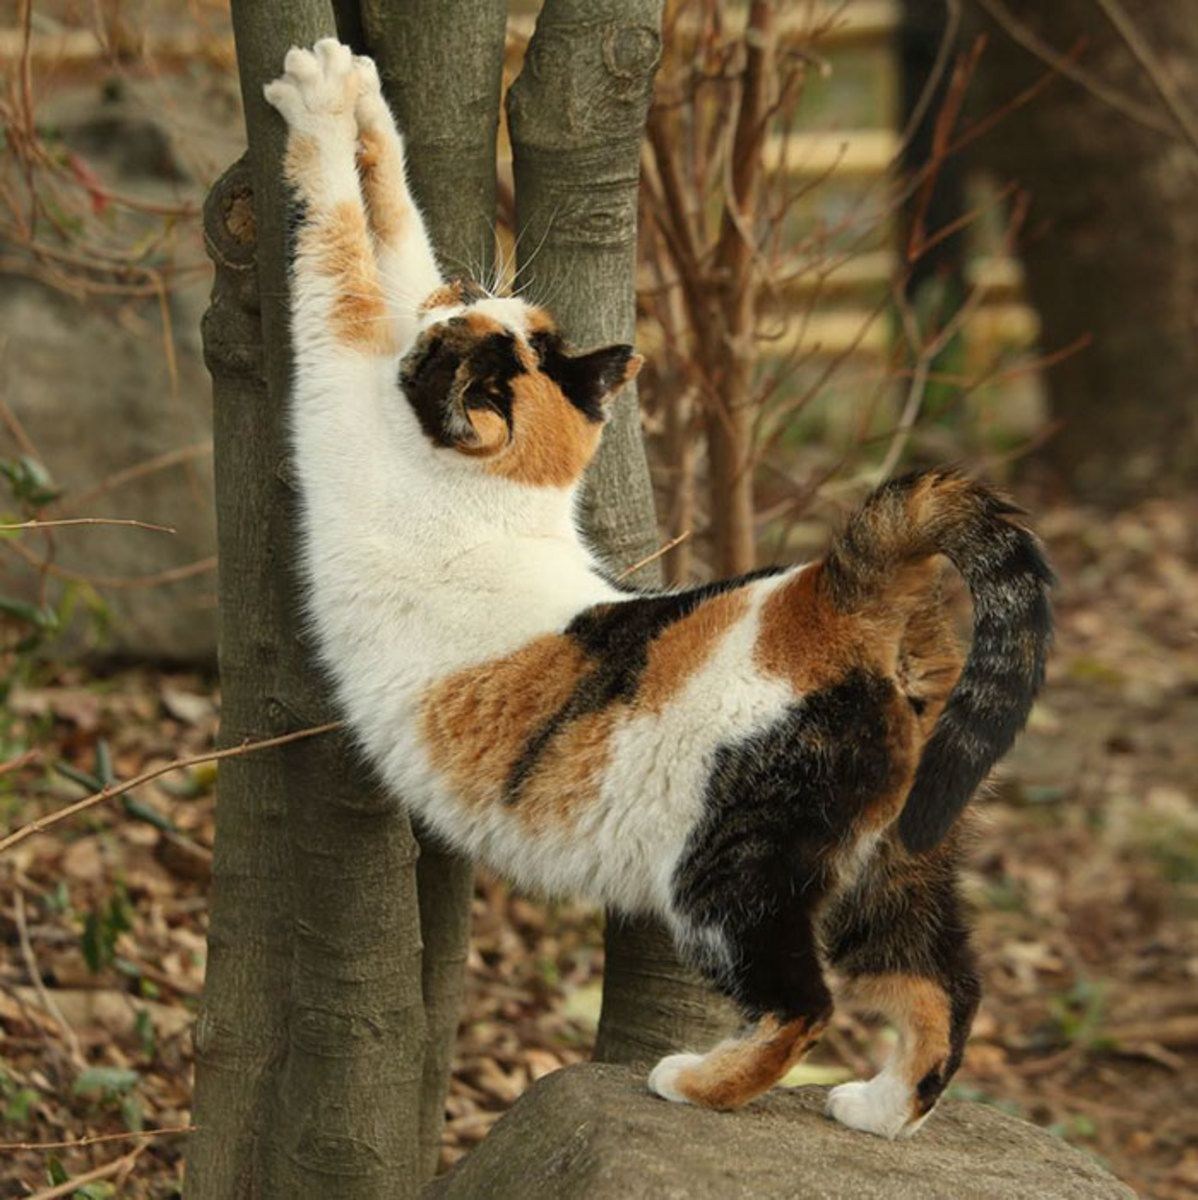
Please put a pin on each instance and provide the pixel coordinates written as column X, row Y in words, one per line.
column 577, row 116
column 441, row 63
column 309, row 1043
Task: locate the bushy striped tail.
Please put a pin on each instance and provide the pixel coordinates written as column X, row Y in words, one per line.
column 942, row 512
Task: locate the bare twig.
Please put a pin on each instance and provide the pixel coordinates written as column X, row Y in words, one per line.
column 649, row 558
column 1064, row 65
column 1160, row 79
column 201, row 566
column 116, row 1167
column 95, row 1139
column 58, row 523
column 119, row 789
column 21, row 760
column 149, row 466
column 35, row 976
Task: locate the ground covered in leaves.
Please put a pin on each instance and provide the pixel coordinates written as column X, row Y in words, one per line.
column 1085, row 875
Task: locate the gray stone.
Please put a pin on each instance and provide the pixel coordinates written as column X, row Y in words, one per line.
column 594, row 1132
column 88, row 379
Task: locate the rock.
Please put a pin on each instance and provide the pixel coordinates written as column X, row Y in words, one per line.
column 88, row 378
column 594, row 1131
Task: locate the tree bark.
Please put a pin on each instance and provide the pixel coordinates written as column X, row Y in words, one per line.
column 1114, row 242
column 309, row 1044
column 441, row 62
column 577, row 115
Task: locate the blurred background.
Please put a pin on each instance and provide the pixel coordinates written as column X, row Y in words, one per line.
column 976, row 242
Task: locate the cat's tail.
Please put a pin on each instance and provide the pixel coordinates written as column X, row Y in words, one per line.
column 942, row 512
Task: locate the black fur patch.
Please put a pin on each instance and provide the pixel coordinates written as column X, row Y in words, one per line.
column 585, row 379
column 428, row 374
column 617, row 636
column 777, row 805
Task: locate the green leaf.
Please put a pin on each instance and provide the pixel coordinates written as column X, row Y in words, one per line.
column 101, row 928
column 143, row 812
column 56, row 1171
column 101, row 1190
column 82, row 778
column 147, row 1035
column 96, row 952
column 29, row 481
column 17, row 1109
column 104, row 762
column 39, row 616
column 132, row 1113
column 104, row 1081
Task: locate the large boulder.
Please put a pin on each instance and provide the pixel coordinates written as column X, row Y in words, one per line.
column 596, row 1132
column 87, row 375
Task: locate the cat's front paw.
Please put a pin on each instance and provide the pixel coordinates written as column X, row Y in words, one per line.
column 317, row 93
column 373, row 113
column 664, row 1078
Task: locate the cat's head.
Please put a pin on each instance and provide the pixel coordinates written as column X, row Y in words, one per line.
column 491, row 381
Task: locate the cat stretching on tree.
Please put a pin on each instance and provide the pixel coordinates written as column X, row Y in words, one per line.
column 773, row 765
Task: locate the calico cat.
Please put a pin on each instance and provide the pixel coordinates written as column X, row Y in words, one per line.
column 773, row 765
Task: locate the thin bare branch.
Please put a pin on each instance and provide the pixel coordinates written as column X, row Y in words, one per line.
column 1065, row 65
column 116, row 1167
column 60, row 522
column 127, row 1135
column 1152, row 66
column 649, row 558
column 119, row 789
column 35, row 977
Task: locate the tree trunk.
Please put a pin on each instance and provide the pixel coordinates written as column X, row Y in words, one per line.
column 309, row 1044
column 577, row 115
column 441, row 63
column 1115, row 240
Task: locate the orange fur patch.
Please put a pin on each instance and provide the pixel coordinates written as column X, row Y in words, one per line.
column 740, row 1069
column 338, row 244
column 537, row 320
column 301, row 160
column 446, row 296
column 383, row 187
column 492, row 431
column 804, row 640
column 683, row 647
column 552, row 441
column 569, row 773
column 476, row 723
column 918, row 1008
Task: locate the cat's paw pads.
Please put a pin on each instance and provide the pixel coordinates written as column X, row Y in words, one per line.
column 663, row 1079
column 872, row 1107
column 318, row 90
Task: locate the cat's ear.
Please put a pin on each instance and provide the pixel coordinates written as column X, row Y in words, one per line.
column 591, row 381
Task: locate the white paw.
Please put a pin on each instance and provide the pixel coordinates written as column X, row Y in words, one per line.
column 663, row 1079
column 881, row 1106
column 372, row 110
column 318, row 90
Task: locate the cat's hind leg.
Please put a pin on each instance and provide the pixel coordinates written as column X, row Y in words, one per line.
column 906, row 957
